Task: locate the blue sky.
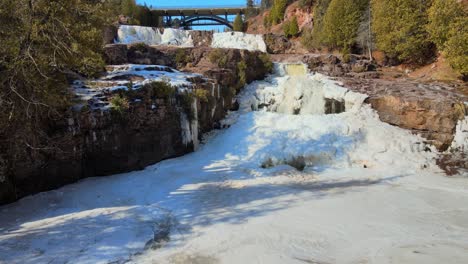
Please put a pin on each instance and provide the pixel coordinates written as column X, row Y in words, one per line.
column 191, row 3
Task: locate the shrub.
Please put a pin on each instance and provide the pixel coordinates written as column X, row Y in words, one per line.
column 218, row 57
column 161, row 90
column 119, row 103
column 201, row 95
column 291, row 28
column 341, row 23
column 242, row 72
column 182, row 57
column 266, row 60
column 400, row 29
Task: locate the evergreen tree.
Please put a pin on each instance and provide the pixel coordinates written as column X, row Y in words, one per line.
column 400, row 29
column 291, row 28
column 442, row 14
column 277, row 11
column 341, row 23
column 42, row 41
column 456, row 46
column 238, row 23
column 129, row 8
column 314, row 38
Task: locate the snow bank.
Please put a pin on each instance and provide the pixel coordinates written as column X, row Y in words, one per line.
column 152, row 36
column 238, row 40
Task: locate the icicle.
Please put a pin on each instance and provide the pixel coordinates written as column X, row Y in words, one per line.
column 185, row 127
column 194, row 125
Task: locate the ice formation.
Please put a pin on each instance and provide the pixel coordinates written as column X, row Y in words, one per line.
column 238, row 40
column 152, row 36
column 366, row 192
column 460, row 142
column 294, row 91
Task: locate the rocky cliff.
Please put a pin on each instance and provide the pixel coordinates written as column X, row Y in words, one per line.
column 133, row 116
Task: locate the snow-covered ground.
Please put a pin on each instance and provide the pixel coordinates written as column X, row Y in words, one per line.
column 369, row 193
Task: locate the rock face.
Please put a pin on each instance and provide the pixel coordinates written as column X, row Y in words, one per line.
column 433, row 119
column 201, row 38
column 116, row 53
column 430, row 110
column 98, row 143
column 334, row 66
column 95, row 142
column 190, row 59
column 276, row 44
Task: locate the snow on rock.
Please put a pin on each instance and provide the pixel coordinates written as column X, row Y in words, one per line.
column 117, row 77
column 274, row 187
column 152, row 36
column 238, row 40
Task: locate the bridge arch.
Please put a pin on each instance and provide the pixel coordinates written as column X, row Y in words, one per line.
column 188, row 21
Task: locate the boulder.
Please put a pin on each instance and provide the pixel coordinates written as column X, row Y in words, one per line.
column 276, row 44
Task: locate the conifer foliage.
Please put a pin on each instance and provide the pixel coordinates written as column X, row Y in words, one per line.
column 43, row 41
column 291, row 28
column 448, row 29
column 341, row 23
column 400, row 29
column 238, row 23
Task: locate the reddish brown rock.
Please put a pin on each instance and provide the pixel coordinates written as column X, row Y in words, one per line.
column 430, row 110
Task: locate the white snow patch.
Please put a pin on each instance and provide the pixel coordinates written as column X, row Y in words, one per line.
column 152, row 36
column 238, row 40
